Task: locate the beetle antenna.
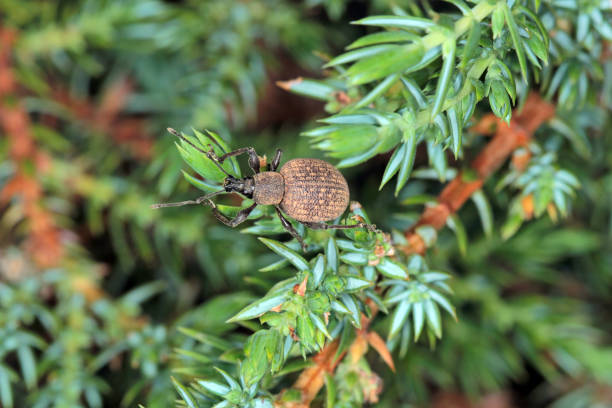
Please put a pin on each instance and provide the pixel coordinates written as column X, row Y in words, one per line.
column 198, row 200
column 216, row 161
column 208, row 154
column 184, row 139
column 207, row 133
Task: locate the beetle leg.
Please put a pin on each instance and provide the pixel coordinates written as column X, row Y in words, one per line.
column 214, row 140
column 290, row 228
column 210, row 154
column 276, row 160
column 231, row 222
column 198, row 200
column 253, row 159
column 322, row 225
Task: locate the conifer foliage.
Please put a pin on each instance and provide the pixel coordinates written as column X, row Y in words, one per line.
column 475, row 134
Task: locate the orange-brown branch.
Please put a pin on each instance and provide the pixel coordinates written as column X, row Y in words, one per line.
column 312, row 379
column 106, row 116
column 43, row 240
column 506, row 140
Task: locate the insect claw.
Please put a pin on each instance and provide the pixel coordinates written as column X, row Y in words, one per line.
column 209, row 202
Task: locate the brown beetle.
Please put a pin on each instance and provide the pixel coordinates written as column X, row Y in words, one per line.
column 311, row 191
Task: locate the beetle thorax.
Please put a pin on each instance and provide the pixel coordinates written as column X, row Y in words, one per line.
column 269, row 188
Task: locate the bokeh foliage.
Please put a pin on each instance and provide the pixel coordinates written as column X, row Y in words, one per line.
column 108, row 303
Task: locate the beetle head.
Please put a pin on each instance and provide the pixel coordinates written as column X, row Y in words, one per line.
column 244, row 186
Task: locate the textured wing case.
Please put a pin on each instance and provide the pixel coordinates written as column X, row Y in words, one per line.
column 314, row 190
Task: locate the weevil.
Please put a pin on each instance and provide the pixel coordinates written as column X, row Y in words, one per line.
column 311, row 191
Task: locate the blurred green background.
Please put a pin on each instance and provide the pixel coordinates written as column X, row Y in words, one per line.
column 93, row 284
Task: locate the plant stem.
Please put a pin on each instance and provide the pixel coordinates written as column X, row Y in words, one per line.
column 507, row 139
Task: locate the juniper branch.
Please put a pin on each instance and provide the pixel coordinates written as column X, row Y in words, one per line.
column 507, row 139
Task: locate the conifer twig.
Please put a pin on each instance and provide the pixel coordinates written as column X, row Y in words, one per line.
column 507, row 139
column 312, row 379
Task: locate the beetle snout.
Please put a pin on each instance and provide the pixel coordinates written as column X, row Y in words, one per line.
column 229, row 183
